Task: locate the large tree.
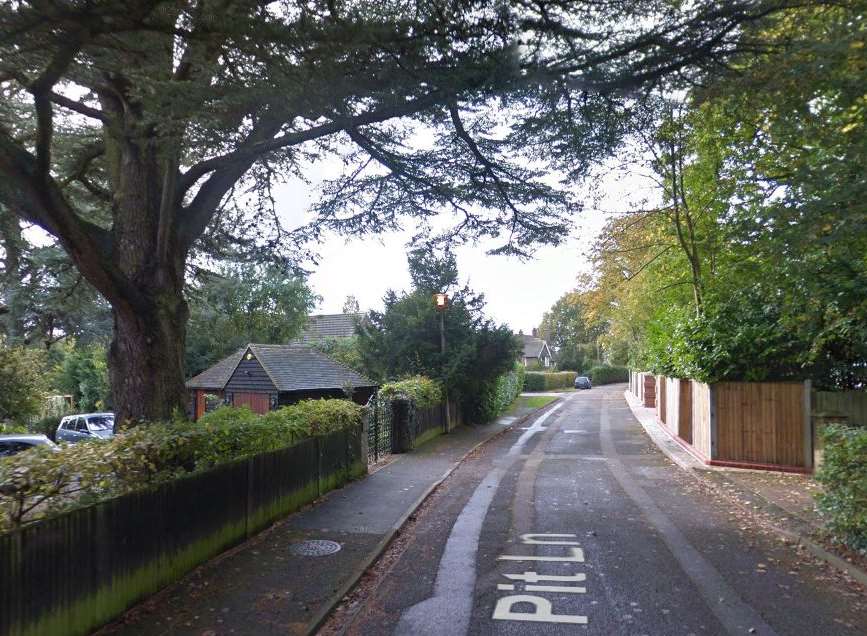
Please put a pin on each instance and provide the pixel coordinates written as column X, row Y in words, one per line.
column 152, row 124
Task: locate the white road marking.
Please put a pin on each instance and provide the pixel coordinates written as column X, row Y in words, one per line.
column 556, row 589
column 450, row 608
column 577, row 556
column 542, row 611
column 505, row 587
column 533, row 577
column 531, row 539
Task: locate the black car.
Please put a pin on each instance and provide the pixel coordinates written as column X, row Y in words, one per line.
column 582, row 382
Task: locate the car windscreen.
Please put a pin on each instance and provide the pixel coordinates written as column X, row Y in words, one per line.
column 100, row 423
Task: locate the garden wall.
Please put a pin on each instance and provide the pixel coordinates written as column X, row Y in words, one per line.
column 71, row 573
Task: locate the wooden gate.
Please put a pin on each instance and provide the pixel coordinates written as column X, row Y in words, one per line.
column 257, row 402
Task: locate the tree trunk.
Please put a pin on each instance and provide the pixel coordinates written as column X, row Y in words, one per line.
column 146, row 358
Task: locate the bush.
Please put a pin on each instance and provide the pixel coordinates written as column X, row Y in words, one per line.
column 608, row 375
column 549, row 381
column 497, row 396
column 423, row 391
column 22, row 378
column 844, row 477
column 45, row 426
column 41, row 482
column 8, row 428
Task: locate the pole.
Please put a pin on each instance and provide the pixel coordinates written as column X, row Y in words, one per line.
column 443, row 352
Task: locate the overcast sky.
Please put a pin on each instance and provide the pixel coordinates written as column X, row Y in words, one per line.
column 517, row 292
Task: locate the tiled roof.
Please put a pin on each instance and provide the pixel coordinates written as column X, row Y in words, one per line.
column 291, row 367
column 217, row 376
column 323, row 326
column 532, row 345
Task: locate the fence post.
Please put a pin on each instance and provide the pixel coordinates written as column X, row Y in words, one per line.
column 714, row 431
column 808, row 425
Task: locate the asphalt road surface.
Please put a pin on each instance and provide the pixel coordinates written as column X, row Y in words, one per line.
column 577, row 524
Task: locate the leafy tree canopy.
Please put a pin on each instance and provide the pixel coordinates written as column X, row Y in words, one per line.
column 144, row 132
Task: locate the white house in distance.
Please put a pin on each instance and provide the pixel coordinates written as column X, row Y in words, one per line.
column 536, row 352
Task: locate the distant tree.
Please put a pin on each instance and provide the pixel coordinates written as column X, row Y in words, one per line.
column 43, row 298
column 351, row 306
column 82, row 372
column 156, row 128
column 242, row 304
column 23, row 382
column 404, row 339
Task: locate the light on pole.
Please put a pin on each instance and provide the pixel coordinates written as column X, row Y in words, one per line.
column 441, row 302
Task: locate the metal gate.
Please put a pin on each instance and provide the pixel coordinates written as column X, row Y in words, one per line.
column 379, row 429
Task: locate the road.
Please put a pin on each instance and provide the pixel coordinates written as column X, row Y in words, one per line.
column 577, row 524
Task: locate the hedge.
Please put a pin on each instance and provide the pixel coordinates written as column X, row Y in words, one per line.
column 844, row 476
column 423, row 391
column 43, row 482
column 549, row 381
column 608, row 375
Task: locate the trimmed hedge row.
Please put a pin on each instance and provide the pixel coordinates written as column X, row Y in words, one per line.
column 420, row 389
column 42, row 483
column 534, row 381
column 608, row 375
column 844, row 476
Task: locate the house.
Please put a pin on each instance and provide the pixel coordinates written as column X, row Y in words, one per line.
column 321, row 327
column 266, row 377
column 535, row 352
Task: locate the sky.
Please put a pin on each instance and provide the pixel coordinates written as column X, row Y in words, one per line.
column 517, row 292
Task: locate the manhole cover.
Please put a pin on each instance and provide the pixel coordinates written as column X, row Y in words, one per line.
column 314, row 547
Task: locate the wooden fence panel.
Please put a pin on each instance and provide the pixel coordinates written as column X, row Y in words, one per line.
column 671, row 411
column 648, row 390
column 760, row 422
column 851, row 405
column 701, row 409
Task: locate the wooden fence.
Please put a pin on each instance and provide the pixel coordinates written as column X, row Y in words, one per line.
column 740, row 424
column 773, row 425
column 643, row 385
column 71, row 573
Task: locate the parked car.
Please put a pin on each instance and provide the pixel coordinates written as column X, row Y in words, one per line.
column 14, row 444
column 85, row 426
column 582, row 382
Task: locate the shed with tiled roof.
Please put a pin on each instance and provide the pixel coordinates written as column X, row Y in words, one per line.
column 265, row 377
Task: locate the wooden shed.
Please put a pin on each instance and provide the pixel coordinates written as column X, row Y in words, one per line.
column 266, row 377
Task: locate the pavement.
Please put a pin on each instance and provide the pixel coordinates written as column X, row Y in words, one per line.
column 575, row 522
column 262, row 587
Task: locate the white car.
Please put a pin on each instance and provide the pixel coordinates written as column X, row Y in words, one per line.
column 85, row 426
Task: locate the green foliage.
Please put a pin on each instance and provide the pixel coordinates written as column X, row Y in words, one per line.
column 82, row 372
column 549, row 381
column 241, row 304
column 423, row 391
column 608, row 375
column 22, row 382
column 496, row 396
column 45, row 425
column 343, row 350
column 42, row 482
column 404, row 340
column 844, row 477
column 7, row 428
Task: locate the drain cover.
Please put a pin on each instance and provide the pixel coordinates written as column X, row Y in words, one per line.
column 314, row 547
